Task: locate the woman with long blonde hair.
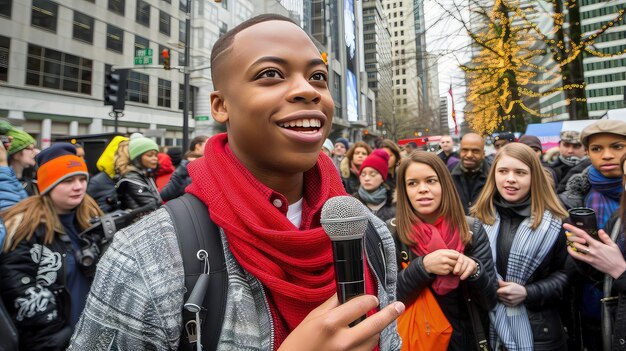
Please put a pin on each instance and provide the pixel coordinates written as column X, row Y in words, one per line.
column 440, row 249
column 43, row 267
column 522, row 216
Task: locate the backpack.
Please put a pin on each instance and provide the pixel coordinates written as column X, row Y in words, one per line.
column 196, row 231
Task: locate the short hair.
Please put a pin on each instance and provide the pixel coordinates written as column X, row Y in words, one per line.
column 226, row 41
column 197, row 141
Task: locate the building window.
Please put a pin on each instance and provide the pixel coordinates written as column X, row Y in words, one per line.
column 164, row 23
column 44, row 14
column 83, row 27
column 143, row 13
column 53, row 69
column 225, row 4
column 5, row 8
column 138, row 87
column 164, row 93
column 192, row 92
column 115, row 39
column 181, row 31
column 183, row 5
column 141, row 43
column 117, row 6
column 5, row 43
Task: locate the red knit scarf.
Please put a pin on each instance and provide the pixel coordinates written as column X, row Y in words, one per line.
column 294, row 265
column 433, row 237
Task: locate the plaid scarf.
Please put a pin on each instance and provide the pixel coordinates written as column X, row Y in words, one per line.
column 603, row 196
column 510, row 326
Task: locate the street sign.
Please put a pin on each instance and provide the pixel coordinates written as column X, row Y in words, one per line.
column 202, row 118
column 143, row 57
column 143, row 60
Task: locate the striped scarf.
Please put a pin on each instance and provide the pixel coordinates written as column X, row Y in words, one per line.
column 510, row 326
column 604, row 195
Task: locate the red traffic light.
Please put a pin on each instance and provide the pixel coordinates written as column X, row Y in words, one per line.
column 166, row 58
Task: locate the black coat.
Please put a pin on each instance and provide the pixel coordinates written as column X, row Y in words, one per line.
column 469, row 188
column 619, row 290
column 102, row 188
column 178, row 182
column 42, row 311
column 545, row 290
column 482, row 289
column 137, row 189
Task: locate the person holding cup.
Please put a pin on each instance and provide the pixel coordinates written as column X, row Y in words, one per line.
column 598, row 187
column 602, row 260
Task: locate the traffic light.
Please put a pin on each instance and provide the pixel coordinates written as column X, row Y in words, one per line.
column 166, row 59
column 379, row 123
column 115, row 89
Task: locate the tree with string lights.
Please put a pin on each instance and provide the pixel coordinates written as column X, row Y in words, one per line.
column 504, row 78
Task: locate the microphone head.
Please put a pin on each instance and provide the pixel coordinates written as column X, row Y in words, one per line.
column 344, row 218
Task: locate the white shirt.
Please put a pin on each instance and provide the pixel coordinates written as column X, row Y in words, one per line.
column 294, row 213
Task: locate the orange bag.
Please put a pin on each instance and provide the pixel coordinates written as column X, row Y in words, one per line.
column 423, row 326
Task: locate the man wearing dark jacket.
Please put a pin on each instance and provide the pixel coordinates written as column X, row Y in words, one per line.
column 470, row 174
column 571, row 153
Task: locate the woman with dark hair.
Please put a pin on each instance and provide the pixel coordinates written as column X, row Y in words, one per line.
column 136, row 162
column 44, row 281
column 440, row 249
column 349, row 167
column 394, row 160
column 604, row 263
column 197, row 144
column 522, row 216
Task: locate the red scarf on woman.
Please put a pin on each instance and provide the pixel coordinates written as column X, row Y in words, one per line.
column 433, row 237
column 295, row 265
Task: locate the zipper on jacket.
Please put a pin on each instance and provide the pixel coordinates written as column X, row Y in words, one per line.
column 269, row 315
column 382, row 254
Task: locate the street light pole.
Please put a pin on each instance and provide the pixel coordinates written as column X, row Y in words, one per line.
column 186, row 92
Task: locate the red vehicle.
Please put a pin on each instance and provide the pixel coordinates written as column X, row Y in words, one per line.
column 421, row 140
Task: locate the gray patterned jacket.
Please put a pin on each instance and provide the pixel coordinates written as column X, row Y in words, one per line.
column 136, row 299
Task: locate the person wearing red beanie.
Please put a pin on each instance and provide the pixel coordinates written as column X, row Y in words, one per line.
column 373, row 191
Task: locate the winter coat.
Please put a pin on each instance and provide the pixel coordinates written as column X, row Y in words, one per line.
column 137, row 189
column 146, row 257
column 545, row 288
column 178, row 182
column 469, row 191
column 11, row 191
column 576, row 190
column 102, row 188
column 34, row 292
column 165, row 170
column 349, row 178
column 413, row 279
column 385, row 213
column 579, row 168
column 619, row 290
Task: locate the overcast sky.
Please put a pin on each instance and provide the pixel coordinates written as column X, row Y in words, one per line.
column 446, row 38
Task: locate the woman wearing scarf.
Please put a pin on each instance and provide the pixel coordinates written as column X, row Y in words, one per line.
column 604, row 262
column 394, row 153
column 438, row 249
column 374, row 191
column 350, row 165
column 522, row 216
column 598, row 187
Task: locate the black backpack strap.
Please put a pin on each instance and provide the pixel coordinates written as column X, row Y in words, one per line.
column 196, row 231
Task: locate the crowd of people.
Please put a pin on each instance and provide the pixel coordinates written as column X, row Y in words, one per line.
column 488, row 236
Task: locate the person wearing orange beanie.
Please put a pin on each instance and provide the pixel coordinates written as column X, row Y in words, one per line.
column 45, row 273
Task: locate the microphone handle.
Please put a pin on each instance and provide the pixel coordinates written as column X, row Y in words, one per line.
column 348, row 257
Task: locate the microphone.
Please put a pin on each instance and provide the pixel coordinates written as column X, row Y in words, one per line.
column 344, row 219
